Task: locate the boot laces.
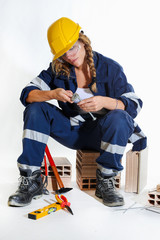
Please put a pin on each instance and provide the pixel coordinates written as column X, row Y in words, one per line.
column 109, row 183
column 25, row 181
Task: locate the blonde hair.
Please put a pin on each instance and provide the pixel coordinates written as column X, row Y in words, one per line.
column 62, row 67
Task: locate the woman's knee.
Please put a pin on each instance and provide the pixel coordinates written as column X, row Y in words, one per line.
column 118, row 119
column 119, row 115
column 34, row 110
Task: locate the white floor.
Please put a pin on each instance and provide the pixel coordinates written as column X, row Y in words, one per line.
column 91, row 218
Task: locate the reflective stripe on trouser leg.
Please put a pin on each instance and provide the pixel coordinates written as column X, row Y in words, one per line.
column 116, row 128
column 138, row 139
column 33, row 149
column 35, row 135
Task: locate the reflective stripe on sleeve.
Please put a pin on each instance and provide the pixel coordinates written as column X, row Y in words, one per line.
column 36, row 136
column 38, row 82
column 133, row 97
column 112, row 148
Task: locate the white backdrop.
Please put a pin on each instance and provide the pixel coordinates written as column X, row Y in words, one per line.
column 126, row 31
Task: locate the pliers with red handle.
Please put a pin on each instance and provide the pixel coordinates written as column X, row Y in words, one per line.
column 64, row 202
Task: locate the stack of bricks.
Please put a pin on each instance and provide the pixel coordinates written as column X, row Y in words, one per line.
column 154, row 197
column 64, row 169
column 86, row 170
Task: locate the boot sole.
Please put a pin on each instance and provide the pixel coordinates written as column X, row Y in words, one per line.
column 13, row 203
column 113, row 204
column 117, row 204
column 37, row 196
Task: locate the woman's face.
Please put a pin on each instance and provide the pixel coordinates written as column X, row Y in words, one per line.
column 76, row 55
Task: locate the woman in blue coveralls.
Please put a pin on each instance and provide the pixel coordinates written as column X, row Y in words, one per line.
column 97, row 108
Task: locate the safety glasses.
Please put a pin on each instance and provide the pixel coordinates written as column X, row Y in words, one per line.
column 73, row 50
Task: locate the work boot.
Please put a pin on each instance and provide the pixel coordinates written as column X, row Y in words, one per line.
column 106, row 190
column 31, row 186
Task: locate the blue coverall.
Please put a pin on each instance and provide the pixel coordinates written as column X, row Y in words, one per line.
column 109, row 133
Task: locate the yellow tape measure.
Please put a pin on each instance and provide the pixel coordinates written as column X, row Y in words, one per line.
column 39, row 213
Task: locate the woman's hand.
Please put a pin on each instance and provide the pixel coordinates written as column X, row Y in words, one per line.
column 62, row 95
column 96, row 103
column 92, row 104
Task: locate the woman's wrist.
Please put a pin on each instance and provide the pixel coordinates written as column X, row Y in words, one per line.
column 112, row 103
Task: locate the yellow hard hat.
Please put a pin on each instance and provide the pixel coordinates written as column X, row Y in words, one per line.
column 62, row 35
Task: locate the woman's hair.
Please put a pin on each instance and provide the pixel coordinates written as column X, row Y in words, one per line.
column 62, row 67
